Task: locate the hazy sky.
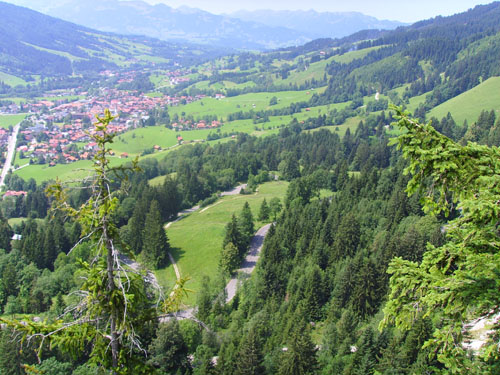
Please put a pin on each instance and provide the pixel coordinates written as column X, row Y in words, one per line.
column 401, row 10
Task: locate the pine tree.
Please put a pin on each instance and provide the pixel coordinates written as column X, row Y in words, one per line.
column 250, row 358
column 229, row 258
column 264, row 211
column 155, row 245
column 300, row 356
column 246, row 223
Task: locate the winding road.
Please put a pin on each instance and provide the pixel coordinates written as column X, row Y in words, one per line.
column 247, row 266
column 10, row 153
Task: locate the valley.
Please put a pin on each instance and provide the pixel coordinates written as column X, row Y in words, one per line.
column 356, row 225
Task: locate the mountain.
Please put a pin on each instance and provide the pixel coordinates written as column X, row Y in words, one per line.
column 315, row 24
column 166, row 23
column 244, row 30
column 33, row 43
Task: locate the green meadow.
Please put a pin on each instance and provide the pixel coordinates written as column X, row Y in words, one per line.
column 351, row 124
column 196, row 239
column 11, row 80
column 468, row 106
column 348, row 57
column 244, row 103
column 11, row 120
column 65, row 172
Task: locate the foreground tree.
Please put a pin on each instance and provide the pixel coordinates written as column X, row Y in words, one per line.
column 114, row 310
column 457, row 282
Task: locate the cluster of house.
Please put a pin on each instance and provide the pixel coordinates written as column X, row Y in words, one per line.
column 184, row 124
column 52, row 144
column 4, row 136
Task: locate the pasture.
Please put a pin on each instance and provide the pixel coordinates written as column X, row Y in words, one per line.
column 11, row 120
column 468, row 105
column 196, row 240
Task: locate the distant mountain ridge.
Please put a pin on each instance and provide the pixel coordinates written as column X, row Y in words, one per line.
column 259, row 31
column 318, row 24
column 34, row 43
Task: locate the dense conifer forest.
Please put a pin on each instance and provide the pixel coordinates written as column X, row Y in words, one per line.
column 315, row 301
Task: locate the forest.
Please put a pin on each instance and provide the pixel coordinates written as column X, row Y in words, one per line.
column 316, row 300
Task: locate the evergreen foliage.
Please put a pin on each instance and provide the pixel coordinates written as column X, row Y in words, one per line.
column 457, row 281
column 114, row 313
column 155, row 245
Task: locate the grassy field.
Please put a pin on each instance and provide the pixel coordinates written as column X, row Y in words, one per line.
column 315, row 70
column 351, row 124
column 19, row 220
column 468, row 106
column 15, row 100
column 11, row 80
column 196, row 240
column 11, row 120
column 70, row 98
column 64, row 172
column 244, row 103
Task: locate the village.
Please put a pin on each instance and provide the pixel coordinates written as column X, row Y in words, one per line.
column 58, row 131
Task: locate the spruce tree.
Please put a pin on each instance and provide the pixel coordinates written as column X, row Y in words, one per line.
column 246, row 223
column 300, row 355
column 229, row 258
column 250, row 358
column 155, row 244
column 458, row 281
column 264, row 211
column 275, row 207
column 5, row 235
column 169, row 352
column 233, row 235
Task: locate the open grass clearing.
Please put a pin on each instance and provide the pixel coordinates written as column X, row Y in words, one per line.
column 351, row 124
column 65, row 172
column 11, row 120
column 348, row 57
column 468, row 105
column 196, row 240
column 246, row 102
column 11, row 80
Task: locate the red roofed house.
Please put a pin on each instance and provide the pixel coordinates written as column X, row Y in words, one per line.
column 13, row 193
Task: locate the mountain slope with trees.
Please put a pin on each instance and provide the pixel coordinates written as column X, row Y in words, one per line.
column 28, row 38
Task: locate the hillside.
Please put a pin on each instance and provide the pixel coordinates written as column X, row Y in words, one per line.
column 28, row 38
column 468, row 106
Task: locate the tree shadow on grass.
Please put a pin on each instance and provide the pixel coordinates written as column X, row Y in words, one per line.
column 177, row 254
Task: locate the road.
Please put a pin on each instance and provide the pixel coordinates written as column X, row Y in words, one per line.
column 250, row 261
column 234, row 191
column 232, row 286
column 10, row 153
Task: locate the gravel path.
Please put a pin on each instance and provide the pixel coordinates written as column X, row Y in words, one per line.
column 235, row 191
column 250, row 261
column 247, row 267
